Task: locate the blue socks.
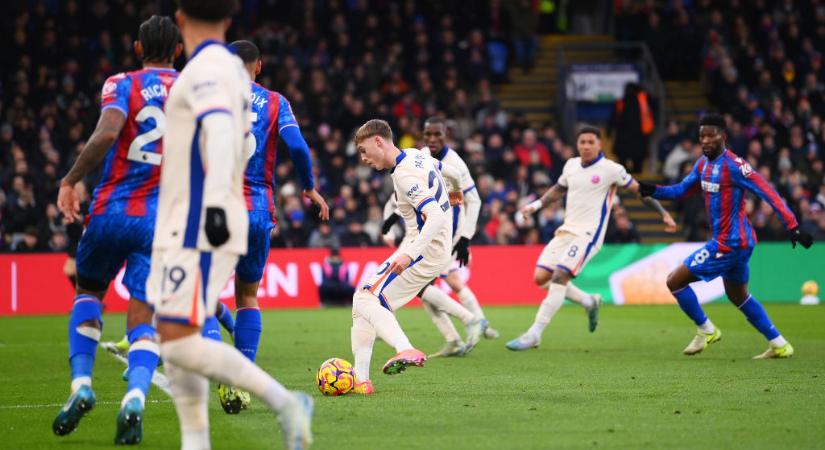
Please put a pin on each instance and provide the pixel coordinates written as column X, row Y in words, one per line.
column 758, row 317
column 144, row 354
column 690, row 305
column 211, row 329
column 224, row 316
column 248, row 331
column 83, row 339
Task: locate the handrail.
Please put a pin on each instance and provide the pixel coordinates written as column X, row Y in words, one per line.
column 623, row 52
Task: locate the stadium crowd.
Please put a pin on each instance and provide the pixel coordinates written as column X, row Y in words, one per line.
column 343, row 62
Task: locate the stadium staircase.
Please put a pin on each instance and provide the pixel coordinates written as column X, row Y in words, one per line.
column 535, row 93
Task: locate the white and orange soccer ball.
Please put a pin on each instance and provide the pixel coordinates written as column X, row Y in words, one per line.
column 335, row 377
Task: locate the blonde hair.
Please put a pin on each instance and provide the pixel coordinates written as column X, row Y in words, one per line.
column 374, row 127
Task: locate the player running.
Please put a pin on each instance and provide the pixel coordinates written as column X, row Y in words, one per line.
column 272, row 118
column 120, row 225
column 589, row 181
column 422, row 203
column 723, row 177
column 202, row 229
column 465, row 218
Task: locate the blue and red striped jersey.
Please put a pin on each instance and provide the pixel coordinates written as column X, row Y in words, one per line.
column 271, row 116
column 131, row 170
column 723, row 182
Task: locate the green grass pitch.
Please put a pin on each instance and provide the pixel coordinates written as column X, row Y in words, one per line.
column 625, row 386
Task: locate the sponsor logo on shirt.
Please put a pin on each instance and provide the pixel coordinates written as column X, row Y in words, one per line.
column 413, row 190
column 595, row 179
column 707, row 186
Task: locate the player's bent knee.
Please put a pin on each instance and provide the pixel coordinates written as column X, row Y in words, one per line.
column 90, row 286
column 561, row 276
column 673, row 282
column 541, row 276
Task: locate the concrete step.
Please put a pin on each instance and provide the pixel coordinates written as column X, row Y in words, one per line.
column 537, row 102
column 692, row 85
column 688, row 103
column 555, row 39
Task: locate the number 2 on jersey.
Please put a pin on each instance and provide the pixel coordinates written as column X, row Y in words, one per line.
column 136, row 152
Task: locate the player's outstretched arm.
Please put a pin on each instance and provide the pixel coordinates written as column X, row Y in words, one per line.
column 106, row 133
column 299, row 153
column 552, row 195
column 652, row 203
column 675, row 191
column 744, row 176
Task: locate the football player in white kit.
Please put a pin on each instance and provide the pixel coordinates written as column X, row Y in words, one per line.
column 202, row 226
column 424, row 204
column 465, row 218
column 590, row 183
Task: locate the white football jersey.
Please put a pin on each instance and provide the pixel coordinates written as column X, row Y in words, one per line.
column 461, row 224
column 213, row 81
column 417, row 181
column 590, row 194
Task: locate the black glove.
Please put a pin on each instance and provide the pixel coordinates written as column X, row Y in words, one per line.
column 391, row 220
column 215, row 227
column 462, row 251
column 646, row 189
column 796, row 235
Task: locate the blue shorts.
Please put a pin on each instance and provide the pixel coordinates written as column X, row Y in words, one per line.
column 250, row 267
column 111, row 240
column 708, row 262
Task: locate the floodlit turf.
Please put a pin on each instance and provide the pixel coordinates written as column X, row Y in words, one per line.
column 625, row 386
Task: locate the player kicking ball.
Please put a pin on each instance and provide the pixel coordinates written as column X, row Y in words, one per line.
column 122, row 220
column 272, row 118
column 589, row 181
column 723, row 177
column 202, row 229
column 425, row 207
column 464, row 218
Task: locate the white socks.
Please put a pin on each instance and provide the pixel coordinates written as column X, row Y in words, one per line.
column 81, row 381
column 778, row 341
column 548, row 308
column 708, row 327
column 577, row 295
column 382, row 320
column 442, row 301
column 134, row 393
column 190, row 394
column 443, row 323
column 363, row 338
column 222, row 362
column 469, row 300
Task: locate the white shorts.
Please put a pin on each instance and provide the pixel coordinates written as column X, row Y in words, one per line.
column 455, row 265
column 184, row 284
column 568, row 252
column 395, row 291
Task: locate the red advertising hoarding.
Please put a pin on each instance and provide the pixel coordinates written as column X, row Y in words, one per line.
column 35, row 284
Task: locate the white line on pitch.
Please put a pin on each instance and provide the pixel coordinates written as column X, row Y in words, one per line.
column 57, row 405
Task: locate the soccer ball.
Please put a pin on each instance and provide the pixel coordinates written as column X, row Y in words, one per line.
column 335, row 377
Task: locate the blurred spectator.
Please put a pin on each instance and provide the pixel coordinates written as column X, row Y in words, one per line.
column 336, row 289
column 632, row 124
